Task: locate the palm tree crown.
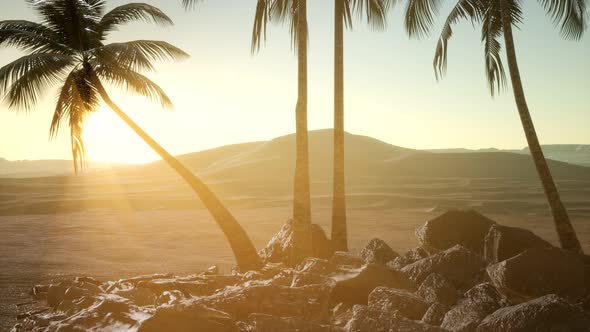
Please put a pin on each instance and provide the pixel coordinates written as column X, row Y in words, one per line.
column 68, row 48
column 569, row 15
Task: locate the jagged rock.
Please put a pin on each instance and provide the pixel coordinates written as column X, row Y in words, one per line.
column 268, row 323
column 545, row 314
column 366, row 319
column 435, row 288
column 341, row 314
column 139, row 296
column 197, row 286
column 503, row 242
column 307, row 302
column 540, row 271
column 306, row 278
column 317, row 266
column 466, row 228
column 395, row 300
column 187, row 317
column 170, row 297
column 55, row 294
column 457, row 264
column 435, row 314
column 279, row 248
column 377, row 251
column 354, row 285
column 74, row 293
column 346, row 258
column 482, row 300
column 409, row 257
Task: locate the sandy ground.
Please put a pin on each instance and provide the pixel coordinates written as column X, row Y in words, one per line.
column 109, row 244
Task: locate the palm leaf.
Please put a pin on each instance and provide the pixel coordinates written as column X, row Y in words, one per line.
column 420, row 16
column 569, row 14
column 132, row 12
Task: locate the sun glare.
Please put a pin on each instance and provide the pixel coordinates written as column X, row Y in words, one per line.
column 107, row 139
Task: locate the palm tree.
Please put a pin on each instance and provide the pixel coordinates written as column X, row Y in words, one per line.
column 67, row 48
column 376, row 11
column 294, row 12
column 497, row 18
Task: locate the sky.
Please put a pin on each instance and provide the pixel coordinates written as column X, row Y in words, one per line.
column 223, row 94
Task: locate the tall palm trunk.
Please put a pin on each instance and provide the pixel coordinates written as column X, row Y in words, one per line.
column 564, row 228
column 301, row 195
column 244, row 251
column 339, row 234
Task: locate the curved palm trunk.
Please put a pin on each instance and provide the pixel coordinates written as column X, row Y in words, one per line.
column 565, row 230
column 339, row 232
column 244, row 252
column 301, row 198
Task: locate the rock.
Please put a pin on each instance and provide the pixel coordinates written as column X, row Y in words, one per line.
column 482, row 300
column 540, row 271
column 377, row 251
column 346, row 258
column 457, row 264
column 268, row 323
column 435, row 314
column 395, row 300
column 503, row 242
column 366, row 319
column 435, row 288
column 354, row 285
column 188, row 317
column 317, row 266
column 197, row 286
column 139, row 296
column 548, row 313
column 74, row 293
column 341, row 314
column 305, row 278
column 279, row 248
column 466, row 228
column 212, row 270
column 409, row 257
column 55, row 294
column 170, row 297
column 307, row 302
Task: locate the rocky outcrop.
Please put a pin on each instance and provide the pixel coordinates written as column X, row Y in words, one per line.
column 377, row 251
column 367, row 319
column 545, row 314
column 435, row 314
column 466, row 228
column 457, row 264
column 347, row 259
column 354, row 285
column 279, row 248
column 409, row 257
column 403, row 302
column 188, row 317
column 503, row 242
column 435, row 288
column 541, row 271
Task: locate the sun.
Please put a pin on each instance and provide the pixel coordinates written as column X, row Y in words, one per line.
column 108, row 139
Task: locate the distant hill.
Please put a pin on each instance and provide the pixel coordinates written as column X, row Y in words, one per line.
column 578, row 154
column 36, row 168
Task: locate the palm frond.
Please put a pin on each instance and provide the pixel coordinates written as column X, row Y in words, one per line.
column 419, row 16
column 30, row 37
column 190, row 4
column 375, row 11
column 464, row 9
column 25, row 79
column 132, row 12
column 138, row 54
column 491, row 32
column 570, row 15
column 130, row 80
column 261, row 19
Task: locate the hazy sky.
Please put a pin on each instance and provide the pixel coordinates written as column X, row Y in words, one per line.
column 225, row 95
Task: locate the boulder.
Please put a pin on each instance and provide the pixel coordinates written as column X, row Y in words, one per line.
column 306, row 278
column 503, row 242
column 346, row 258
column 457, row 264
column 377, row 251
column 409, row 257
column 354, row 285
column 366, row 319
column 435, row 288
column 306, row 302
column 268, row 323
column 317, row 266
column 466, row 228
column 482, row 300
column 55, row 294
column 540, row 271
column 435, row 314
column 139, row 296
column 187, row 317
column 545, row 314
column 396, row 300
column 279, row 248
